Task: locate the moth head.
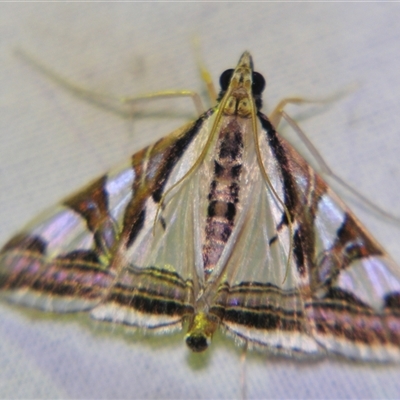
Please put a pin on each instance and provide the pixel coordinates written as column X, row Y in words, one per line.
column 243, row 76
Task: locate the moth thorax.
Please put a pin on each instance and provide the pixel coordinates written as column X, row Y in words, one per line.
column 238, row 104
column 200, row 331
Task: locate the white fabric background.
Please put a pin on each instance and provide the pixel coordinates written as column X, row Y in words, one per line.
column 52, row 143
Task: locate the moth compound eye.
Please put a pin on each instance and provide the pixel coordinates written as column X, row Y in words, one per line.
column 225, row 79
column 258, row 83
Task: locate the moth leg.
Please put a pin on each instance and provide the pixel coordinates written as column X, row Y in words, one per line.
column 204, row 72
column 107, row 100
column 276, row 117
column 205, row 76
column 277, row 113
column 167, row 94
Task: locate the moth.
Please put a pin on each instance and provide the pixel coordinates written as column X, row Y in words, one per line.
column 221, row 224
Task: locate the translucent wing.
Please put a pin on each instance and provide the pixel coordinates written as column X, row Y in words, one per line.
column 340, row 292
column 97, row 251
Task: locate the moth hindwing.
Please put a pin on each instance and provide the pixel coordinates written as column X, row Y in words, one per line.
column 220, row 224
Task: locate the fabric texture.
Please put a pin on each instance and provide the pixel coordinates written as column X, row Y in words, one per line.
column 53, row 143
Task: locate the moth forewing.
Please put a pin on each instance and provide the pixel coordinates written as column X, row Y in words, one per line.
column 223, row 224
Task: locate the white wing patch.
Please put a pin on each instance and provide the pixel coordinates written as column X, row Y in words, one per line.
column 330, row 217
column 64, row 231
column 119, row 187
column 370, row 279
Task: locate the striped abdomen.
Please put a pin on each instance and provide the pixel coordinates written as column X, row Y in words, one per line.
column 224, row 194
